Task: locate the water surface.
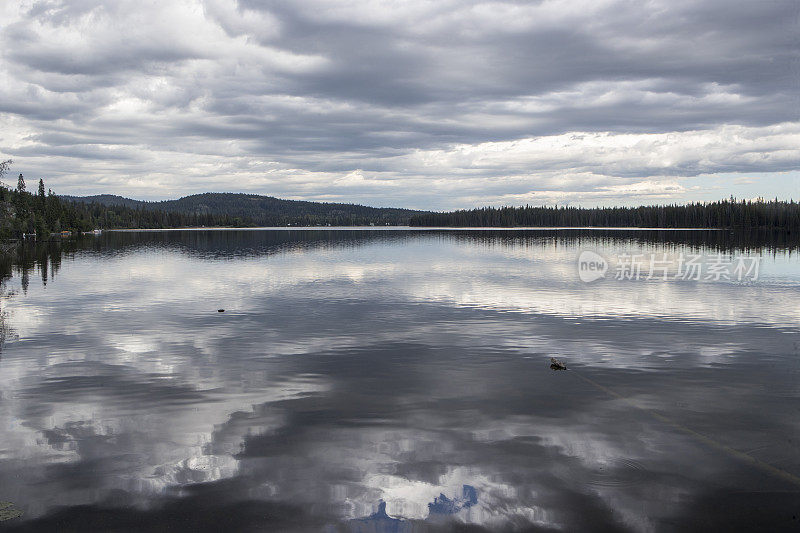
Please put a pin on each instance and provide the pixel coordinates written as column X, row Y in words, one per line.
column 355, row 367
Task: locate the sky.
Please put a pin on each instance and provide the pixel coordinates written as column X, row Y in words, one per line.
column 429, row 104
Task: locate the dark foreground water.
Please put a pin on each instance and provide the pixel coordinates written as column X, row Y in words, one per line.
column 411, row 368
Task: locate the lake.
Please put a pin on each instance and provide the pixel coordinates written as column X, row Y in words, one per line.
column 400, row 380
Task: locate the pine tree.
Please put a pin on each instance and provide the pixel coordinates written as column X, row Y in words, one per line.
column 20, row 184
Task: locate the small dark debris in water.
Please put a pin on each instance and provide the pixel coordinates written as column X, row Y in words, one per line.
column 555, row 364
column 220, row 310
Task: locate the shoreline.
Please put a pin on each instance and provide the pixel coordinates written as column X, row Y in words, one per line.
column 418, row 228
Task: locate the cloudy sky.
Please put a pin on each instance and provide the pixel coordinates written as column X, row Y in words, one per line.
column 421, row 103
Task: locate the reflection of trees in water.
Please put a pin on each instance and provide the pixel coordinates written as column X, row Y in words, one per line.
column 241, row 243
column 7, row 253
column 40, row 259
column 725, row 241
column 27, row 260
column 219, row 244
column 43, row 259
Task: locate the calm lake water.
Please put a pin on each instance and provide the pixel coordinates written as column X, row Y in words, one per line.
column 397, row 380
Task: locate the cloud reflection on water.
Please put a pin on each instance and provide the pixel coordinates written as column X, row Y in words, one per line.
column 357, row 369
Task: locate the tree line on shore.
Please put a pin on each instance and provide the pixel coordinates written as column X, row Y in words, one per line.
column 41, row 213
column 730, row 213
column 25, row 213
column 256, row 210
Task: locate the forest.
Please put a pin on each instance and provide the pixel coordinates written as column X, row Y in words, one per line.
column 41, row 213
column 241, row 209
column 730, row 213
column 23, row 213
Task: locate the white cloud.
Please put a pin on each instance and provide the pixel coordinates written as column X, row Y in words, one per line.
column 420, row 104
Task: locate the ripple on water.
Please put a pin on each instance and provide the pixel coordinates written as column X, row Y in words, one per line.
column 618, row 473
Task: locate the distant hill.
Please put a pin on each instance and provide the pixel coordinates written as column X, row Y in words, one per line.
column 106, row 199
column 252, row 209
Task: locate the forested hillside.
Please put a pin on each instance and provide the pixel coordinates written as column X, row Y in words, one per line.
column 248, row 210
column 730, row 213
column 23, row 212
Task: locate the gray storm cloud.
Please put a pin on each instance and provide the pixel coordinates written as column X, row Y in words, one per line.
column 423, row 104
